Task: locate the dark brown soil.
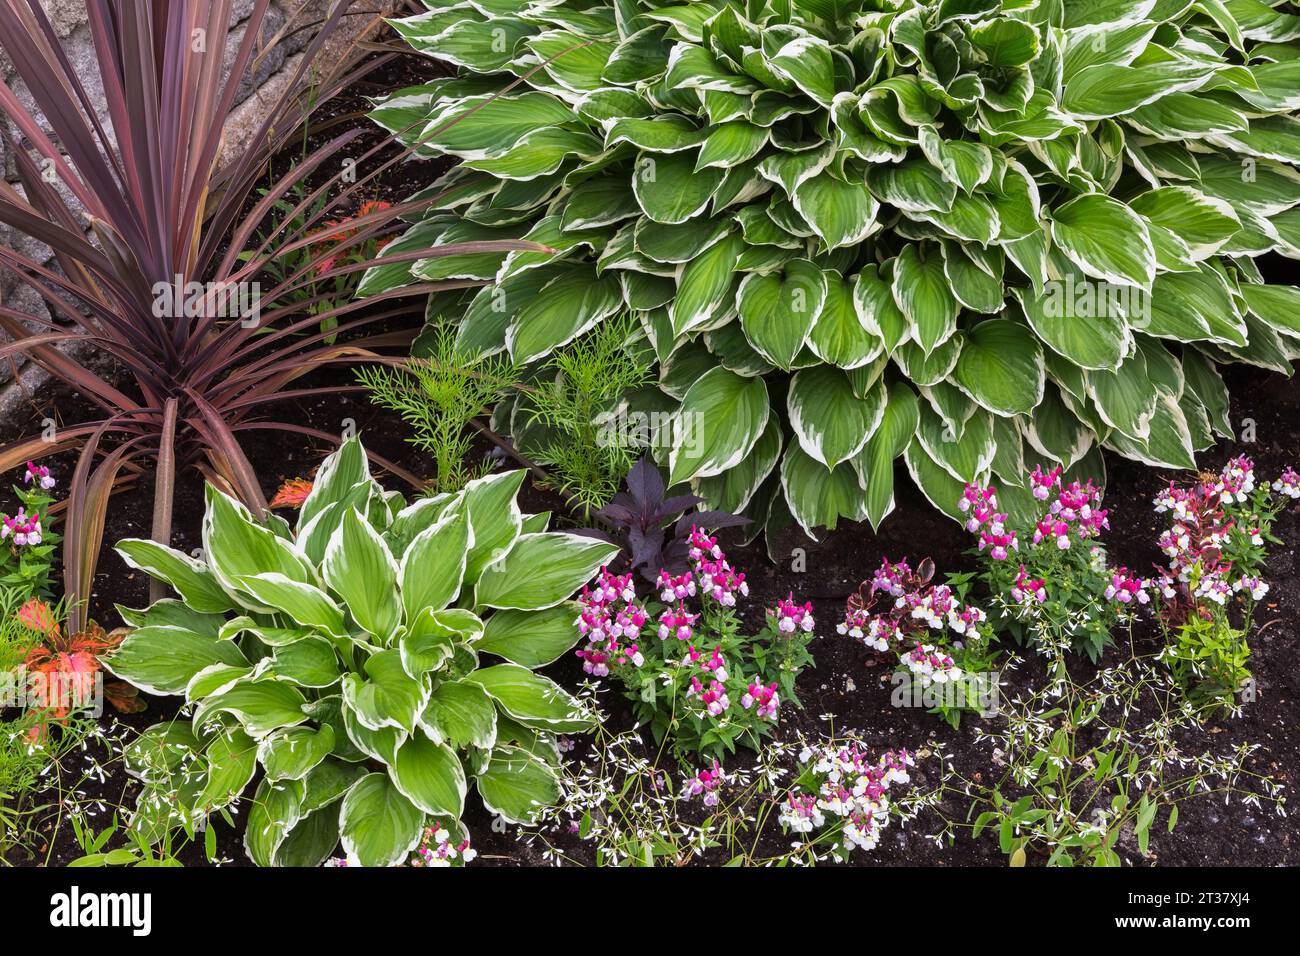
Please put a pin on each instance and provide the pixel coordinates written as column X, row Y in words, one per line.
column 1208, row 831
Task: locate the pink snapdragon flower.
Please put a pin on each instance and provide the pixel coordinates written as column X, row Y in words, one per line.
column 1026, row 590
column 791, row 617
column 675, row 587
column 677, row 622
column 713, row 697
column 705, row 784
column 1288, row 483
column 1125, row 588
column 39, row 475
column 1041, row 485
column 24, row 529
column 764, row 697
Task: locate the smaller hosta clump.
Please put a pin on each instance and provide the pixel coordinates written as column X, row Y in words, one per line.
column 689, row 672
column 840, row 799
column 1051, row 582
column 1215, row 543
column 342, row 660
column 26, row 543
column 941, row 642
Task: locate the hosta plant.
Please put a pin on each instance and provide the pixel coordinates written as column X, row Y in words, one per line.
column 371, row 661
column 959, row 232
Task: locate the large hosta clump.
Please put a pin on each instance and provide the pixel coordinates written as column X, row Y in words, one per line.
column 977, row 234
column 344, row 659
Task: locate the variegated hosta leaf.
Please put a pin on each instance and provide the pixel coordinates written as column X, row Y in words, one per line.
column 1003, row 192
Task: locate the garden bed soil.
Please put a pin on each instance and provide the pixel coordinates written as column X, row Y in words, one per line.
column 1208, row 832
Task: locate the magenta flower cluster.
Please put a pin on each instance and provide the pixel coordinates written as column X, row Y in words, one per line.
column 1200, row 530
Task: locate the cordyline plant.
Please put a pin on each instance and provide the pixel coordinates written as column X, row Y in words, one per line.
column 163, row 279
column 343, row 658
column 964, row 232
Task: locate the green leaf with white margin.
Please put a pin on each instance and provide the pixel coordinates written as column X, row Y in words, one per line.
column 669, row 133
column 731, row 144
column 1168, row 443
column 669, row 189
column 261, row 707
column 841, row 213
column 972, row 286
column 734, row 488
column 310, row 842
column 1124, row 398
column 1001, row 367
column 377, row 824
column 721, row 418
column 310, row 662
column 483, row 46
column 188, row 577
column 275, row 809
column 967, row 456
column 481, row 126
column 877, row 310
column 462, row 715
column 516, row 785
column 387, row 697
column 540, row 153
column 1204, row 382
column 541, row 570
column 1090, row 341
column 533, row 700
column 567, row 306
column 936, row 483
column 236, row 545
column 830, row 421
column 818, row 496
column 163, row 659
column 809, row 64
column 924, row 297
column 1106, row 90
column 1192, row 306
column 431, row 570
column 1054, row 431
column 840, row 336
column 875, row 464
column 778, row 314
column 292, row 754
column 704, row 283
column 430, row 776
column 1203, row 222
column 1106, row 239
column 232, row 761
column 531, row 638
column 494, row 519
column 304, row 604
column 912, row 186
column 1277, row 305
column 360, row 569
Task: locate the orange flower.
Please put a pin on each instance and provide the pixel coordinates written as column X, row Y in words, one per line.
column 292, row 493
column 342, row 231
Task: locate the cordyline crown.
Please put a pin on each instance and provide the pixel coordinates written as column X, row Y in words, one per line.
column 977, row 234
column 152, row 242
